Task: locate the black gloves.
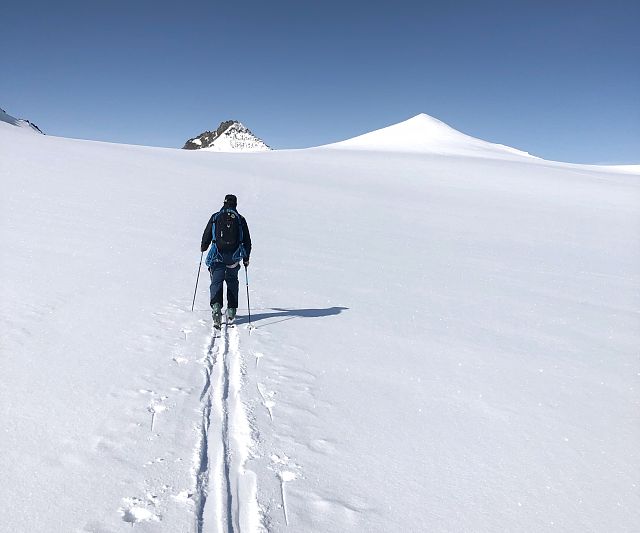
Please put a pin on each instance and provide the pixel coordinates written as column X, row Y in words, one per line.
column 245, row 262
column 203, row 247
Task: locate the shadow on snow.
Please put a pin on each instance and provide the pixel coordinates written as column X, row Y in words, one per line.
column 283, row 314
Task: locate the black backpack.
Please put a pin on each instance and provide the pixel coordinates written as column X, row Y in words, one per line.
column 228, row 231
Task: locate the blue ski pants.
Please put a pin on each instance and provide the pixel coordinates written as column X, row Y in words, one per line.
column 220, row 273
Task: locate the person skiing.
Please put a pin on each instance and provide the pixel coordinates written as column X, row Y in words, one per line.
column 228, row 234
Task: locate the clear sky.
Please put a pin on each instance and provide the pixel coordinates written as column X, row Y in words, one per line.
column 557, row 78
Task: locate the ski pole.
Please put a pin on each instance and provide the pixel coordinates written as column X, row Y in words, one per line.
column 246, row 275
column 197, row 279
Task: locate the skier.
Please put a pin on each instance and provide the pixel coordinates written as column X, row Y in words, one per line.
column 230, row 244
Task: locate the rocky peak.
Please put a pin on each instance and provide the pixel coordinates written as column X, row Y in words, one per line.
column 20, row 122
column 230, row 136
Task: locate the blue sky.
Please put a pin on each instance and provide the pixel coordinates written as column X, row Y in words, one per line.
column 560, row 79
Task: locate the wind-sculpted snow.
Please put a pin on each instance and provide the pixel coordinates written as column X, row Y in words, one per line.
column 441, row 342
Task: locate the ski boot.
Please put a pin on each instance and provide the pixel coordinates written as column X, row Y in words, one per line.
column 231, row 315
column 217, row 315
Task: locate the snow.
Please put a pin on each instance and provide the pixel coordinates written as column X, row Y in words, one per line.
column 446, row 339
column 236, row 138
column 425, row 134
column 633, row 169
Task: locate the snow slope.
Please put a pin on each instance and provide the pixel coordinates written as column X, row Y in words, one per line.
column 426, row 134
column 442, row 343
column 632, row 169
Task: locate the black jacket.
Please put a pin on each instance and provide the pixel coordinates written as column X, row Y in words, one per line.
column 207, row 236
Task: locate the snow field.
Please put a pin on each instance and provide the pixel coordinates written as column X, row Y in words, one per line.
column 441, row 343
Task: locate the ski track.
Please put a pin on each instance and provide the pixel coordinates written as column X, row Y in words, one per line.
column 225, row 435
column 202, row 462
column 226, row 492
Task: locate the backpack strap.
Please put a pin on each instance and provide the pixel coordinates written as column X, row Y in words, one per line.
column 213, row 227
column 240, row 232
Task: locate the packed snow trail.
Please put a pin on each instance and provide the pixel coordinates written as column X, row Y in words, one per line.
column 226, row 491
column 202, row 468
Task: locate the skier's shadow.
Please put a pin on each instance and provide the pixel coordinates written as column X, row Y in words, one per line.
column 282, row 314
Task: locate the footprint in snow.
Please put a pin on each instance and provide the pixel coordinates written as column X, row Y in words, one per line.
column 322, row 446
column 155, row 461
column 282, row 460
column 267, row 399
column 184, row 497
column 134, row 511
column 285, row 476
column 156, row 407
column 182, row 390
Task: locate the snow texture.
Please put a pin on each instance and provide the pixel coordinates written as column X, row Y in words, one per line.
column 440, row 342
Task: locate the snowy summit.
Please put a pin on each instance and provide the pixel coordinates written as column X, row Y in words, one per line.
column 425, row 134
column 231, row 136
